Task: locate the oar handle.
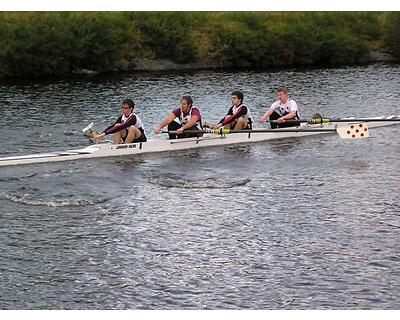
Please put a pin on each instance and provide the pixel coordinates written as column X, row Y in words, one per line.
column 328, row 120
column 309, row 121
column 214, row 131
column 222, row 131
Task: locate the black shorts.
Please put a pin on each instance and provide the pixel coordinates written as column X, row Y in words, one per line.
column 142, row 138
column 276, row 116
column 173, row 126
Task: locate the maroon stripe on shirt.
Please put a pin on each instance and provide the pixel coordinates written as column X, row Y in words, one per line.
column 121, row 125
column 239, row 112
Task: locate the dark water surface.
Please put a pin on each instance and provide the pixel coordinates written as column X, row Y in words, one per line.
column 294, row 224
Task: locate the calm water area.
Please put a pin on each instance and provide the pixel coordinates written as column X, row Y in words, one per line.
column 311, row 223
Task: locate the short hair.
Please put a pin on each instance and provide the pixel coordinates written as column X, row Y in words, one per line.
column 188, row 100
column 282, row 89
column 238, row 94
column 129, row 102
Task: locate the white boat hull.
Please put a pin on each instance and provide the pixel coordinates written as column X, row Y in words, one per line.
column 102, row 150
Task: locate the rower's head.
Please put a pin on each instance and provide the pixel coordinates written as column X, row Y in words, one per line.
column 237, row 98
column 282, row 94
column 186, row 103
column 127, row 106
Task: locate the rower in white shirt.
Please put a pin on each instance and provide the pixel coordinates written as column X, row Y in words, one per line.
column 282, row 110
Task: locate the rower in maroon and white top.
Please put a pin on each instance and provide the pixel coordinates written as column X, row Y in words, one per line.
column 238, row 116
column 186, row 117
column 128, row 128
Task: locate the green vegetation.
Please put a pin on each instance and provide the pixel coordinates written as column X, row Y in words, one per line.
column 33, row 44
column 392, row 34
column 58, row 43
column 168, row 35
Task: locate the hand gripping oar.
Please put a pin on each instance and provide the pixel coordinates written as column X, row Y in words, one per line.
column 321, row 120
column 351, row 131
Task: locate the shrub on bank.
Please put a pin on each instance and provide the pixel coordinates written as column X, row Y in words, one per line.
column 56, row 43
column 33, row 44
column 392, row 34
column 168, row 35
column 300, row 39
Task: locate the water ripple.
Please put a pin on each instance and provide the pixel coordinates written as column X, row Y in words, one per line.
column 33, row 200
column 208, row 183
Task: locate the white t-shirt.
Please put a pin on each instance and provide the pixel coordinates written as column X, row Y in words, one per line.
column 285, row 108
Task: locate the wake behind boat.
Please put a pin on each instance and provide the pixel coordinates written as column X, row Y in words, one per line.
column 211, row 139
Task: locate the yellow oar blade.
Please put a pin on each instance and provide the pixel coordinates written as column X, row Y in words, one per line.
column 353, row 131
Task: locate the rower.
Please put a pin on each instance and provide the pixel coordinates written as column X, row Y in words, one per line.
column 128, row 128
column 238, row 116
column 282, row 109
column 185, row 117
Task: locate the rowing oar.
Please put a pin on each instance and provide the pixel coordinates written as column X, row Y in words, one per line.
column 327, row 120
column 352, row 131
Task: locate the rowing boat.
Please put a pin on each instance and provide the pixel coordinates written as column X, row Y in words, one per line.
column 101, row 150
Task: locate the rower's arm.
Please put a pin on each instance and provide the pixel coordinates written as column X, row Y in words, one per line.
column 118, row 126
column 239, row 113
column 165, row 122
column 111, row 126
column 290, row 115
column 193, row 120
column 230, row 113
column 266, row 114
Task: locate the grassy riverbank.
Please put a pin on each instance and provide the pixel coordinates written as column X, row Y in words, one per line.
column 59, row 43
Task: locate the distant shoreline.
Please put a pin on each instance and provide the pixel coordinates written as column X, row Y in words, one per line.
column 157, row 65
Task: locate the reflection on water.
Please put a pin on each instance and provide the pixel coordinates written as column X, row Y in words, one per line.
column 355, row 165
column 308, row 223
column 284, row 147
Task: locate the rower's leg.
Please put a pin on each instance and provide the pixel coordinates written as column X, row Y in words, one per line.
column 173, row 126
column 274, row 116
column 291, row 124
column 241, row 123
column 229, row 125
column 191, row 135
column 288, row 124
column 133, row 134
column 118, row 136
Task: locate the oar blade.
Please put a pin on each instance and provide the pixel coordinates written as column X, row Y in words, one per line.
column 87, row 128
column 89, row 132
column 353, row 131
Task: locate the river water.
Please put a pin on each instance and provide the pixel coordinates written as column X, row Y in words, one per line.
column 294, row 224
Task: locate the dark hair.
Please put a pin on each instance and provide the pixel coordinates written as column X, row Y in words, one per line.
column 238, row 94
column 129, row 102
column 188, row 99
